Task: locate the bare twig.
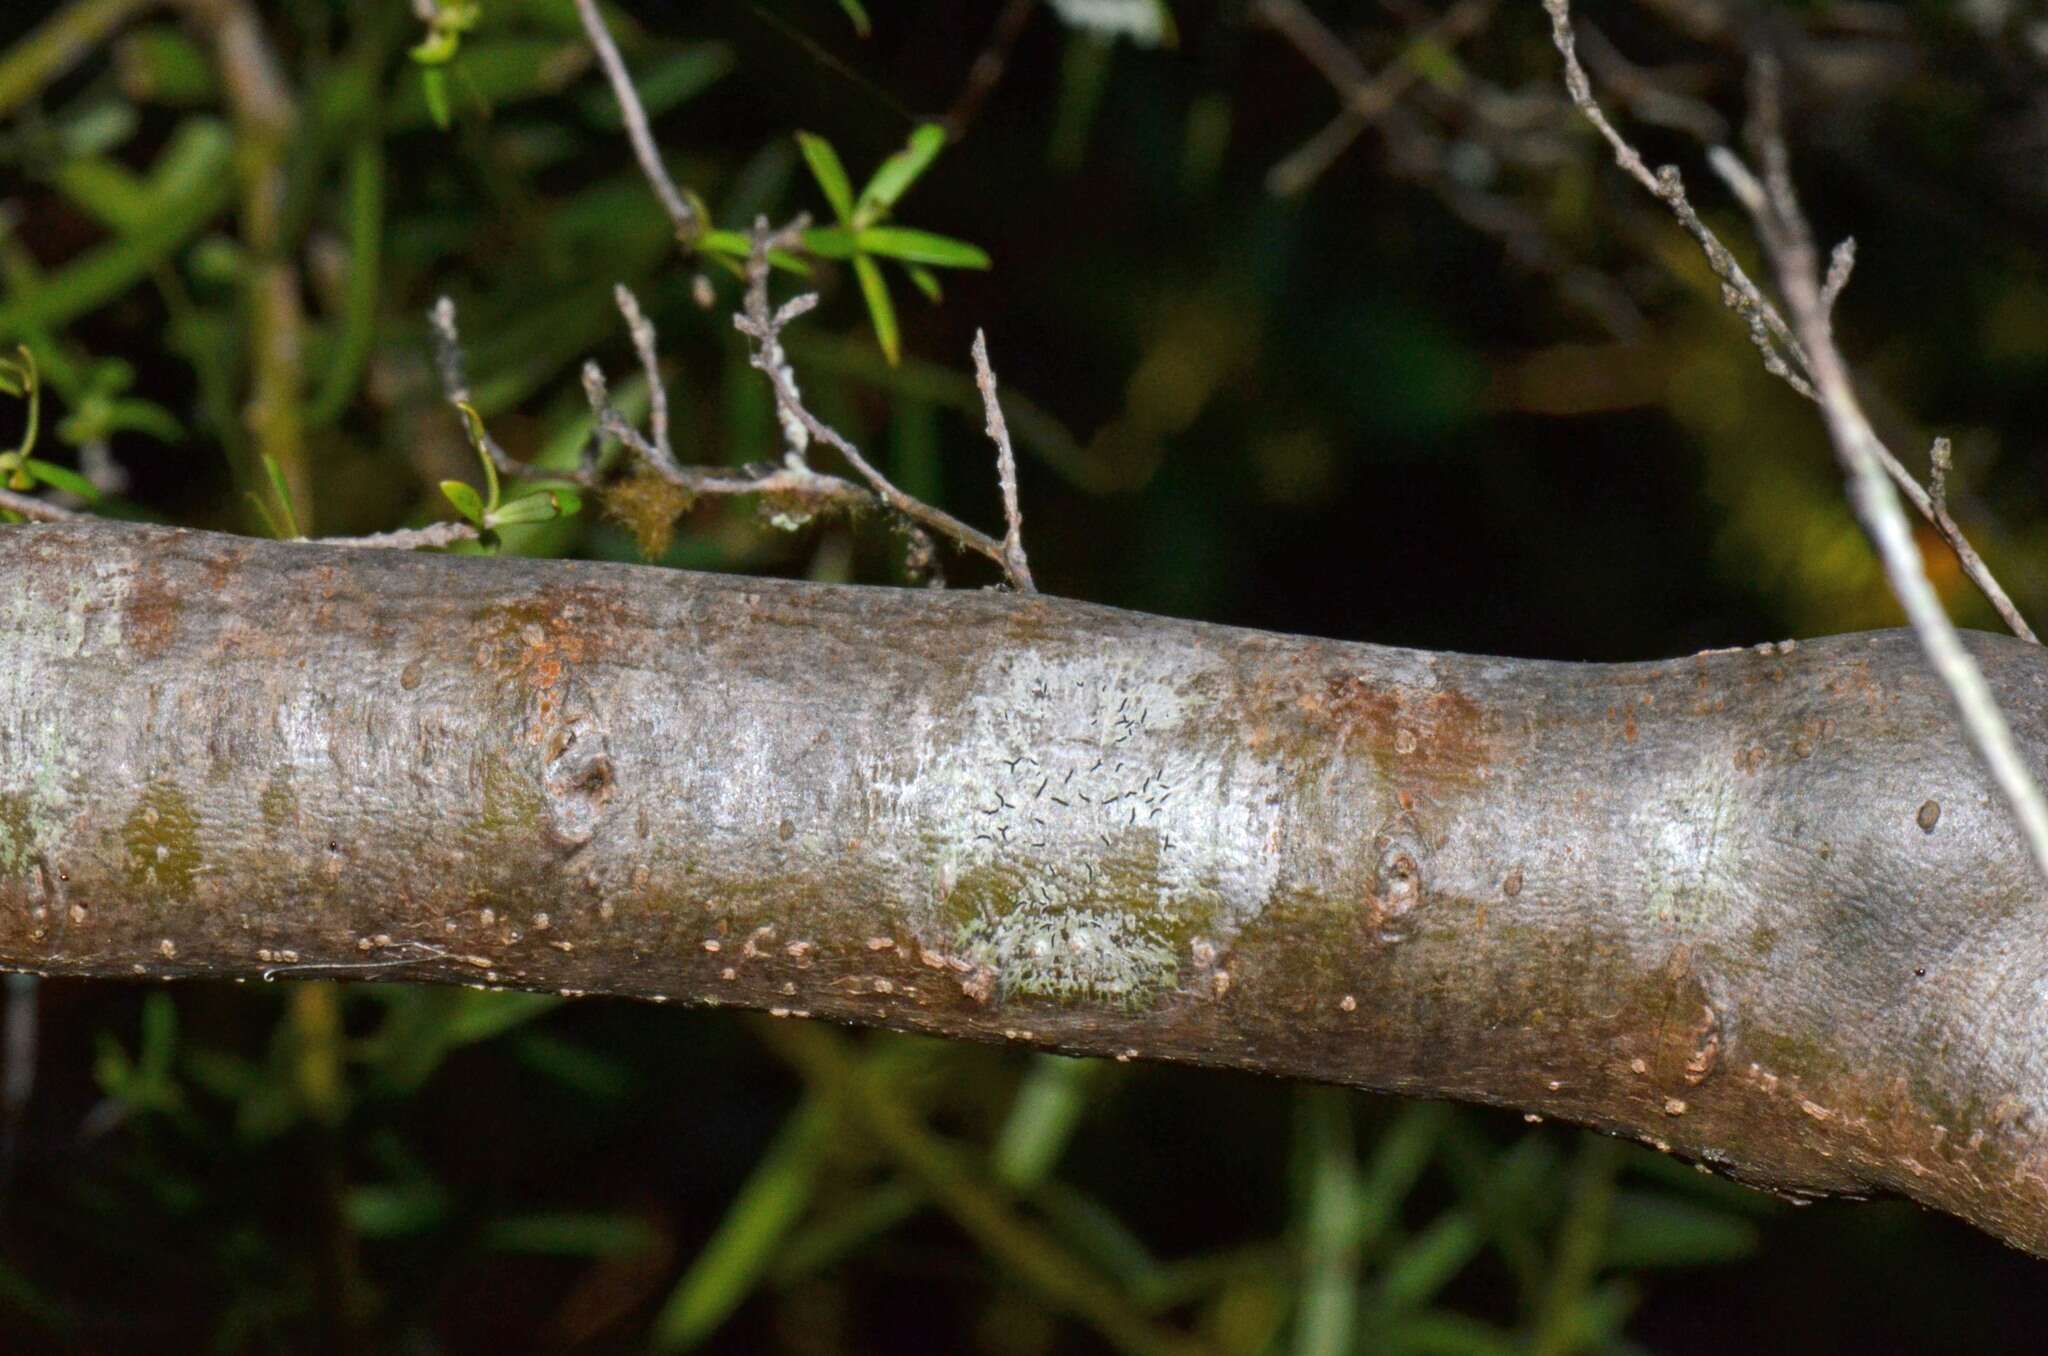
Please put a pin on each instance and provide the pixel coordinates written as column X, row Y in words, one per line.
column 1774, row 339
column 405, row 539
column 32, row 508
column 642, row 331
column 764, row 327
column 987, row 71
column 689, row 222
column 1788, row 242
column 1014, row 563
column 1367, row 97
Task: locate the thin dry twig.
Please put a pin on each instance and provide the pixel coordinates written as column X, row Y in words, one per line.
column 1367, row 97
column 1788, row 242
column 1775, row 340
column 987, row 71
column 404, row 539
column 689, row 222
column 764, row 327
column 1014, row 563
column 34, row 509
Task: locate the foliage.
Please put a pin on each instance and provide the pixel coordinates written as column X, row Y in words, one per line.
column 1414, row 404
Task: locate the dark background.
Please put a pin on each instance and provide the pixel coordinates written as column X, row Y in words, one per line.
column 1380, row 409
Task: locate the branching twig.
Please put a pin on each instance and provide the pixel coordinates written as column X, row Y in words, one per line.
column 1014, row 563
column 1767, row 328
column 1787, row 239
column 764, row 327
column 689, row 222
column 1367, row 97
column 1788, row 242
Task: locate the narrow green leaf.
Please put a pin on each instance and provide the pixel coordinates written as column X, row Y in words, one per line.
column 473, row 423
column 738, row 1255
column 921, row 247
column 898, row 173
column 61, row 478
column 466, row 500
column 880, row 307
column 434, row 89
column 287, row 513
column 857, row 14
column 569, row 1235
column 926, row 282
column 736, row 245
column 829, row 172
column 830, row 242
column 1042, row 1119
column 540, row 507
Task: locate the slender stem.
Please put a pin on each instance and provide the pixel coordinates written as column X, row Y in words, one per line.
column 689, row 223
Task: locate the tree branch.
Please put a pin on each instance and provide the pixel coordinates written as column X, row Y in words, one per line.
column 1774, row 339
column 1759, row 908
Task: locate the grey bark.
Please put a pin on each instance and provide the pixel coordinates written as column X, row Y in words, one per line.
column 1760, row 908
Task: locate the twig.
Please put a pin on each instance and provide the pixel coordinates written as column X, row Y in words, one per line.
column 32, row 508
column 689, row 223
column 1367, row 97
column 764, row 327
column 1788, row 242
column 1014, row 563
column 455, row 387
column 987, row 71
column 1767, row 328
column 642, row 331
column 405, row 539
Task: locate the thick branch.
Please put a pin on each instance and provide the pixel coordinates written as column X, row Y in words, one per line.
column 1759, row 907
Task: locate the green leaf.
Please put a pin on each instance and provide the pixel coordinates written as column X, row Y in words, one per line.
column 921, row 247
column 479, row 441
column 755, row 1229
column 570, row 1235
column 61, row 478
column 287, row 515
column 467, row 501
column 926, row 282
column 543, row 506
column 434, row 89
column 830, row 242
column 829, row 172
column 857, row 14
column 1662, row 1231
column 666, row 83
column 880, row 307
column 898, row 173
column 738, row 245
column 438, row 48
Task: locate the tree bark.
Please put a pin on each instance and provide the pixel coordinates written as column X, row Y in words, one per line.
column 1757, row 907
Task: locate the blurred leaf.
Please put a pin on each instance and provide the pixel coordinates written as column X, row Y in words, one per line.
column 921, row 247
column 570, row 1235
column 1661, row 1231
column 161, row 64
column 736, row 1258
column 1042, row 1119
column 380, row 1212
column 880, row 308
column 61, row 478
column 829, row 172
column 857, row 14
column 103, row 273
column 663, row 84
column 898, row 173
column 1327, row 1220
column 926, row 282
